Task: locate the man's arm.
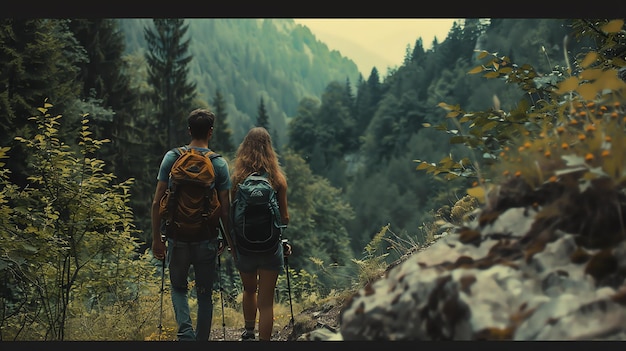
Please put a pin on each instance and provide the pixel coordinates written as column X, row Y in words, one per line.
column 224, row 197
column 158, row 246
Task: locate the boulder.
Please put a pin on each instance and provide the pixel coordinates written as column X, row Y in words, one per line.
column 511, row 273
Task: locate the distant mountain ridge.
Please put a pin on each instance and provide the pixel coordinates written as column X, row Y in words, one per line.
column 372, row 57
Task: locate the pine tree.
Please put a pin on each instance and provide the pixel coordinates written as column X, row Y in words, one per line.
column 352, row 136
column 336, row 137
column 105, row 84
column 262, row 120
column 168, row 59
column 303, row 128
column 38, row 59
column 107, row 88
column 222, row 134
column 368, row 95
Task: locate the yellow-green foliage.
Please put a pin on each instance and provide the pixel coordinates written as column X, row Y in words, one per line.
column 462, row 208
column 589, row 140
column 431, row 228
column 580, row 133
column 373, row 265
column 68, row 244
column 575, row 129
column 131, row 321
column 303, row 285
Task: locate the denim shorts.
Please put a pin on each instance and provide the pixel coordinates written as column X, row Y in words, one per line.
column 249, row 263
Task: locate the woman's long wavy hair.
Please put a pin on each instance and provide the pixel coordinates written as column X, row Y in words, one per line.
column 256, row 154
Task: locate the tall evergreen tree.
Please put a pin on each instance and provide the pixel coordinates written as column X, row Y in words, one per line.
column 107, row 88
column 369, row 94
column 349, row 96
column 262, row 119
column 303, row 129
column 351, row 143
column 418, row 53
column 105, row 84
column 38, row 59
column 335, row 128
column 407, row 55
column 168, row 69
column 222, row 134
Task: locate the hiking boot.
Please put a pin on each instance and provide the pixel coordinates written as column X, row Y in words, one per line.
column 247, row 336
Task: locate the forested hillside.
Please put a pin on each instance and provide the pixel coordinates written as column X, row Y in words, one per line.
column 108, row 97
column 371, row 152
column 250, row 59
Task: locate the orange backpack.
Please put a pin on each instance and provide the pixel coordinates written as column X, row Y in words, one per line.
column 190, row 207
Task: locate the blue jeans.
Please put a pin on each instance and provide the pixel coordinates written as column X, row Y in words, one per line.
column 202, row 255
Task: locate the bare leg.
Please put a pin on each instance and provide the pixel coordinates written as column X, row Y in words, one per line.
column 249, row 299
column 267, row 284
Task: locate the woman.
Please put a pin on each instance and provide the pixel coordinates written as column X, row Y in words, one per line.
column 260, row 271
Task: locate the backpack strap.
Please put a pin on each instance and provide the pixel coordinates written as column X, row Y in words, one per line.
column 208, row 192
column 259, row 174
column 179, row 151
column 212, row 154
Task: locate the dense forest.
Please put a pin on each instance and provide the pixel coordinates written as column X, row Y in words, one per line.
column 89, row 106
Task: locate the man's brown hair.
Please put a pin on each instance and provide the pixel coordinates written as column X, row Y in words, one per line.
column 199, row 122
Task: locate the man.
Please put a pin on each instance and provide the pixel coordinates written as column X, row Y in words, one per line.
column 201, row 253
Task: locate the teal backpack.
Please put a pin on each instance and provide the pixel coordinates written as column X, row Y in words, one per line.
column 255, row 216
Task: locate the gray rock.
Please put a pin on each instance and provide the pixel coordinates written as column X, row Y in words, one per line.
column 514, row 282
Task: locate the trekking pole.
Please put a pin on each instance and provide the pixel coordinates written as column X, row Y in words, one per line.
column 291, row 322
column 162, row 290
column 229, row 240
column 219, row 281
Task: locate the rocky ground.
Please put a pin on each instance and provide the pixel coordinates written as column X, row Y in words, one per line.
column 323, row 320
column 315, row 323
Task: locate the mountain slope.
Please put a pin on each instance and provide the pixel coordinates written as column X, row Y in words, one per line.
column 248, row 59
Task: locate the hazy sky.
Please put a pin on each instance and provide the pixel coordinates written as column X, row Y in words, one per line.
column 379, row 42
